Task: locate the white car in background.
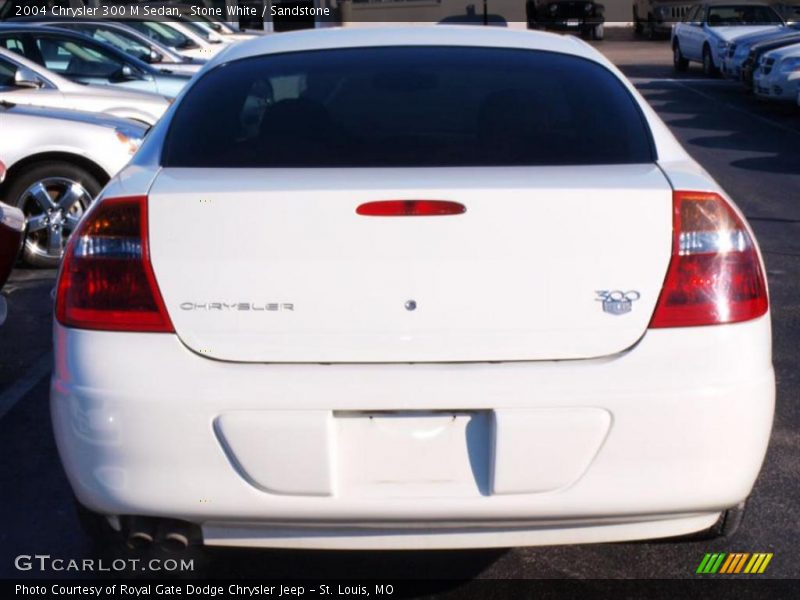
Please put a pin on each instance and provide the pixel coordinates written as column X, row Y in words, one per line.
column 778, row 74
column 133, row 42
column 708, row 29
column 179, row 37
column 57, row 161
column 25, row 82
column 221, row 34
column 208, row 27
column 482, row 308
column 85, row 60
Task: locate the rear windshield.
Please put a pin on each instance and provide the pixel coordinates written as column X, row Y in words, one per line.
column 408, row 107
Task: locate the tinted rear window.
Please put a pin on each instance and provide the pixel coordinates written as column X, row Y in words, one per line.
column 408, row 107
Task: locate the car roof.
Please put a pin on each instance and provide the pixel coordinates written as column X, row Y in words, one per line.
column 18, row 27
column 26, row 27
column 6, row 27
column 422, row 35
column 58, row 18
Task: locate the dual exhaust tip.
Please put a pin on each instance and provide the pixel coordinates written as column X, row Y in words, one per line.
column 169, row 535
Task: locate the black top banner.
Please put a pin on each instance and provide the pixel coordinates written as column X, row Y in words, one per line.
column 270, row 14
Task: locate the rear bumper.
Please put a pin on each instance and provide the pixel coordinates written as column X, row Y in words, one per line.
column 650, row 443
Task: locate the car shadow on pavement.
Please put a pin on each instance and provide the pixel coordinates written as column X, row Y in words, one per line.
column 658, row 70
column 716, row 130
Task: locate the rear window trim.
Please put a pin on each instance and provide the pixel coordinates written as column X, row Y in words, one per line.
column 623, row 81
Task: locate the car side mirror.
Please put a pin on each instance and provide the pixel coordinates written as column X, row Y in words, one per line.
column 155, row 57
column 127, row 73
column 26, row 78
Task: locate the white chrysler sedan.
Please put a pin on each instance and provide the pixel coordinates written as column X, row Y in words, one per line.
column 428, row 293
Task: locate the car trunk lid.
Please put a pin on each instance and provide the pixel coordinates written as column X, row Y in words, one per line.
column 276, row 265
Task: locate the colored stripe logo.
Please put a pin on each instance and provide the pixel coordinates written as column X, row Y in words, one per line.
column 734, row 563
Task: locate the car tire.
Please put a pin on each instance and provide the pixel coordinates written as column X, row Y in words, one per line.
column 637, row 24
column 679, row 63
column 650, row 29
column 46, row 191
column 598, row 32
column 709, row 69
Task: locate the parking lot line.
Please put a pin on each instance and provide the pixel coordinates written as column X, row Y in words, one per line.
column 22, row 386
column 743, row 111
column 692, row 80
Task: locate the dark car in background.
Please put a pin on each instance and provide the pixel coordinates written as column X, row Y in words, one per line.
column 572, row 16
column 654, row 18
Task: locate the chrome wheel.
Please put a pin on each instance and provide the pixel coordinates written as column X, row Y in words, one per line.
column 53, row 207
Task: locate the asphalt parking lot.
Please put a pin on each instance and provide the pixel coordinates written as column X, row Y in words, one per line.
column 751, row 148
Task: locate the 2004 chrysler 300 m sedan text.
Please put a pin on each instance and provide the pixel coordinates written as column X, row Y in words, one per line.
column 434, row 287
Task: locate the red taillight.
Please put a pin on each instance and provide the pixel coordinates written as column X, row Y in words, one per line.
column 106, row 280
column 715, row 274
column 410, row 208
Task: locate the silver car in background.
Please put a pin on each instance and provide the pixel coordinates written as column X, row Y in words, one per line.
column 184, row 40
column 778, row 74
column 57, row 161
column 132, row 42
column 85, row 60
column 25, row 82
